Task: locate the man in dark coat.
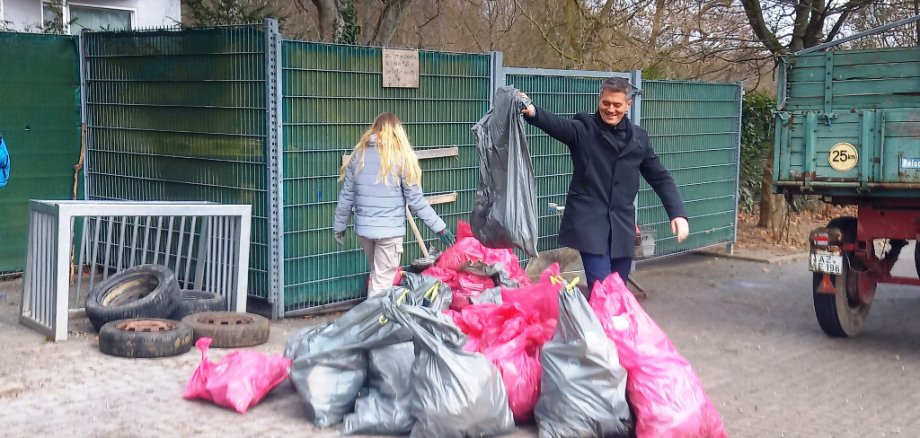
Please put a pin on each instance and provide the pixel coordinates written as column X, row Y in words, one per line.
column 608, row 155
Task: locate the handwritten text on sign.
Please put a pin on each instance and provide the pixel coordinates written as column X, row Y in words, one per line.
column 400, row 68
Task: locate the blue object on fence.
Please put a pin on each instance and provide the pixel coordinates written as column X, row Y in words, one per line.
column 4, row 163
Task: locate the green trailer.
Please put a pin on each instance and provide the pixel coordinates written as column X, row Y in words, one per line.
column 848, row 130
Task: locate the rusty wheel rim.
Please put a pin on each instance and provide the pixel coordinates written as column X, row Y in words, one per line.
column 225, row 319
column 145, row 325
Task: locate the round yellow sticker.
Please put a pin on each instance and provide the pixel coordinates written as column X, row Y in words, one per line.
column 843, row 157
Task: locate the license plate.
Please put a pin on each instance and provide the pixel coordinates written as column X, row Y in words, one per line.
column 829, row 263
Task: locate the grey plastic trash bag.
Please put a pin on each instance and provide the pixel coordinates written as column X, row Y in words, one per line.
column 422, row 293
column 583, row 387
column 330, row 363
column 386, row 407
column 456, row 393
column 505, row 212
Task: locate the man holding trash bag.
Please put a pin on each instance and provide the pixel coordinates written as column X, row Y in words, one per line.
column 608, row 154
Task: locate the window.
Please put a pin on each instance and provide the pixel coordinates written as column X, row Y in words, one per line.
column 81, row 17
column 84, row 17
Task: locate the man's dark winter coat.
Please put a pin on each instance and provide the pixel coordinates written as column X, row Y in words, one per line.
column 599, row 212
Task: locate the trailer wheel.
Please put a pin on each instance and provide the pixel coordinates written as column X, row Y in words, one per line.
column 842, row 314
column 917, row 256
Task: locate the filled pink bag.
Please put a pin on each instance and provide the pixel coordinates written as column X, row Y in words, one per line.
column 540, row 299
column 239, row 380
column 468, row 249
column 518, row 360
column 663, row 389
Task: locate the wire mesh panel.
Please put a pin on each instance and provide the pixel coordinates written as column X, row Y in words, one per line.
column 331, row 94
column 180, row 115
column 565, row 93
column 40, row 122
column 695, row 129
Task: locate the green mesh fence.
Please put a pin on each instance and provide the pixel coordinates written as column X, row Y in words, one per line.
column 565, row 94
column 331, row 95
column 40, row 122
column 695, row 129
column 180, row 115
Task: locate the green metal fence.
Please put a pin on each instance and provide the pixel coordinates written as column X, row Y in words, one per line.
column 40, row 120
column 332, row 93
column 564, row 92
column 235, row 115
column 695, row 127
column 180, row 115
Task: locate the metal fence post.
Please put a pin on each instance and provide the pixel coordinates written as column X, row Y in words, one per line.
column 730, row 246
column 273, row 161
column 635, row 78
column 497, row 76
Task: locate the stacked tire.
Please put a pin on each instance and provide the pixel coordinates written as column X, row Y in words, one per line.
column 137, row 313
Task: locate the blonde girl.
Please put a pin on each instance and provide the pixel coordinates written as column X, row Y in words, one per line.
column 381, row 177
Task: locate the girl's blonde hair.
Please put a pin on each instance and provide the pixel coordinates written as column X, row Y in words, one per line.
column 396, row 154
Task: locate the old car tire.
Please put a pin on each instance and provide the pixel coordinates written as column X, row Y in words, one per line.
column 144, row 338
column 229, row 329
column 196, row 301
column 841, row 314
column 145, row 291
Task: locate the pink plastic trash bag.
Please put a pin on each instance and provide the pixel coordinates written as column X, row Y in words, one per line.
column 518, row 361
column 540, row 299
column 239, row 380
column 663, row 389
column 468, row 249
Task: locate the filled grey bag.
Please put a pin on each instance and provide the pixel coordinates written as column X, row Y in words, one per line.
column 386, row 407
column 505, row 211
column 423, row 291
column 330, row 362
column 456, row 393
column 495, row 271
column 583, row 387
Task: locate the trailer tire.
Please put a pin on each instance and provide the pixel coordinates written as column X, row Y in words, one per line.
column 917, row 256
column 842, row 314
column 144, row 338
column 229, row 329
column 145, row 291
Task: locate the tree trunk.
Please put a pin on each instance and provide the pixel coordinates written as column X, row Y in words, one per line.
column 390, row 18
column 772, row 207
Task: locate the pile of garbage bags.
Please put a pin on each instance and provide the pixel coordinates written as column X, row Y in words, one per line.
column 418, row 361
column 476, row 273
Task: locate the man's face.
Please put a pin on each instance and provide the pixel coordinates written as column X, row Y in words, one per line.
column 613, row 105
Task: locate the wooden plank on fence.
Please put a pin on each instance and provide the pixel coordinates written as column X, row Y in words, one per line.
column 423, row 154
column 442, row 199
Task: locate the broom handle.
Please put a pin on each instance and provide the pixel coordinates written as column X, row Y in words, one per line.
column 418, row 236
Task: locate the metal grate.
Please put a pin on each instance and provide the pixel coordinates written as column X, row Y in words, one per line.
column 332, row 93
column 204, row 244
column 180, row 115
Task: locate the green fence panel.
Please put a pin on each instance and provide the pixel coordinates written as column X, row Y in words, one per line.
column 565, row 93
column 695, row 129
column 331, row 95
column 180, row 115
column 40, row 121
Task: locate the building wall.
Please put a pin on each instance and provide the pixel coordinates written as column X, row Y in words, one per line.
column 26, row 15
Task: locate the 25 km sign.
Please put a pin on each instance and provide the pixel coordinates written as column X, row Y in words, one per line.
column 842, row 157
